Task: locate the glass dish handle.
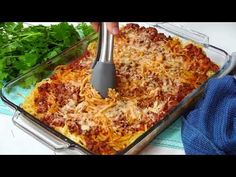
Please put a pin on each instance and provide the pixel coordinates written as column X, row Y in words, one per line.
column 231, row 67
column 185, row 33
column 233, row 63
column 39, row 133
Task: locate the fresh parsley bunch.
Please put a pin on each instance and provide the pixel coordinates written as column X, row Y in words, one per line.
column 21, row 48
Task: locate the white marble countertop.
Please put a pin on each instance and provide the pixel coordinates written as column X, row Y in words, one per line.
column 15, row 141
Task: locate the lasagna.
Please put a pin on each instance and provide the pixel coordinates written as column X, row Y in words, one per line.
column 153, row 73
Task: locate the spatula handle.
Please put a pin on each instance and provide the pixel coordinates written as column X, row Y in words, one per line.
column 107, row 40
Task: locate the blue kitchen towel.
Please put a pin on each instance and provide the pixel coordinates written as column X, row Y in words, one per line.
column 210, row 128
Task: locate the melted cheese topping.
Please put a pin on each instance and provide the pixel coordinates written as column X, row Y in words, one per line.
column 154, row 73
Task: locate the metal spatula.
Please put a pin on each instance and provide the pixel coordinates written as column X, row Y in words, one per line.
column 103, row 75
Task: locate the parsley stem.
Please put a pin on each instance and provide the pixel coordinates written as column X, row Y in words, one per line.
column 56, row 44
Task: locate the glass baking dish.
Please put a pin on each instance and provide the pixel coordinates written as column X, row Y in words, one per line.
column 13, row 95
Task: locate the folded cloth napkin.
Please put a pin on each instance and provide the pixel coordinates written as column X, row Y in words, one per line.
column 210, row 128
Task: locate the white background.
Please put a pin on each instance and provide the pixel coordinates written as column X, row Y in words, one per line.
column 14, row 141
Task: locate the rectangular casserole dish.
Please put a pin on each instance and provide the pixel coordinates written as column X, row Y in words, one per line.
column 13, row 95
